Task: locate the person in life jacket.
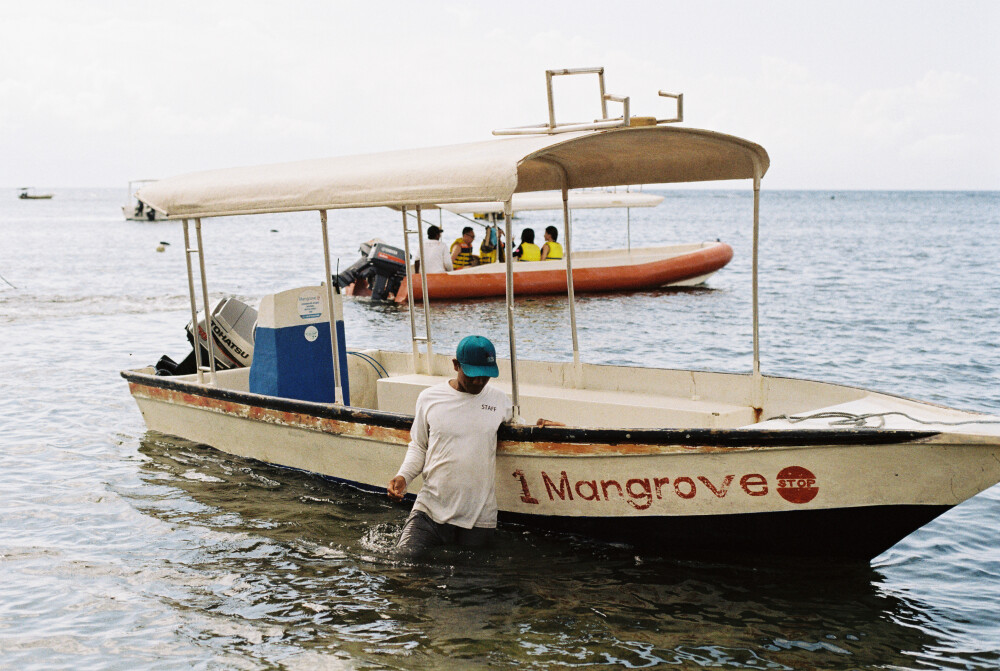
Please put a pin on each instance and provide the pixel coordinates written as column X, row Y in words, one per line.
column 528, row 250
column 551, row 249
column 461, row 250
column 491, row 250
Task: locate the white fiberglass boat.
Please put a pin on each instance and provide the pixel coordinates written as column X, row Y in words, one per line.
column 26, row 194
column 676, row 461
column 135, row 209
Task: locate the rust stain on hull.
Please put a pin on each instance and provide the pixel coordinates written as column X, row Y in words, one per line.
column 255, row 413
column 400, row 436
column 393, row 429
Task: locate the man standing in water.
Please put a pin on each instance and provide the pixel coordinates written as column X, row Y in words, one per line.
column 453, row 443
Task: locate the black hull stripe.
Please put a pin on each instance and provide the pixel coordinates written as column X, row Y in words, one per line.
column 860, row 533
column 553, row 434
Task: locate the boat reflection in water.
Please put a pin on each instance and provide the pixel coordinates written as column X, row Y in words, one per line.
column 676, row 462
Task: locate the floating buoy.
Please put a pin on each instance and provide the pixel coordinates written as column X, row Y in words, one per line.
column 164, row 242
column 161, row 248
column 274, row 230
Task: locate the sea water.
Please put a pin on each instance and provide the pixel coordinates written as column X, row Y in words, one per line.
column 121, row 548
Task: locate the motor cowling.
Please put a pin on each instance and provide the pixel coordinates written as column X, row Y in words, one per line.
column 233, row 323
column 381, row 268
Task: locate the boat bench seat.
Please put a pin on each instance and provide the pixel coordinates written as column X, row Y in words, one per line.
column 583, row 407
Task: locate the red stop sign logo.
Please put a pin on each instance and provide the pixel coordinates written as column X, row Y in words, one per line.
column 797, row 485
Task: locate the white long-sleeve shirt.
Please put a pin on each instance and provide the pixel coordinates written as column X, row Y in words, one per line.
column 453, row 443
column 438, row 258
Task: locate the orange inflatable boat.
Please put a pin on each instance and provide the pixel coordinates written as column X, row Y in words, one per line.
column 593, row 271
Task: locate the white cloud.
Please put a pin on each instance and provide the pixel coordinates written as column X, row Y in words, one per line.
column 938, row 100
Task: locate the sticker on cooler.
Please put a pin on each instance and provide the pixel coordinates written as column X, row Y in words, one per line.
column 311, row 333
column 310, row 305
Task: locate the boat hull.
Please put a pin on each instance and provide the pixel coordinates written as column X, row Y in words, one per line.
column 593, row 272
column 845, row 493
column 851, row 533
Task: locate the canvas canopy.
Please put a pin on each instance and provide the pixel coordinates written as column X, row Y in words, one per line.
column 490, row 171
column 552, row 200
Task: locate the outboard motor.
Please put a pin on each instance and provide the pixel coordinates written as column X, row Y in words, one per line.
column 381, row 268
column 233, row 323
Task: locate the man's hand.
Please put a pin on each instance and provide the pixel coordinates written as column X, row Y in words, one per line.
column 397, row 488
column 548, row 422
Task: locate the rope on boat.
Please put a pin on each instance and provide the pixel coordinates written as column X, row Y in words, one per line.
column 861, row 421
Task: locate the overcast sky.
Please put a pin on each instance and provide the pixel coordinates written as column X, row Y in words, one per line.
column 850, row 94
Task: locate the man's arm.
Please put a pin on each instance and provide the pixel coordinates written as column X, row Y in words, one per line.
column 397, row 488
column 416, row 453
column 509, row 415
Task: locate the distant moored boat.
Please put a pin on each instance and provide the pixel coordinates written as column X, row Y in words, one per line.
column 136, row 210
column 27, row 195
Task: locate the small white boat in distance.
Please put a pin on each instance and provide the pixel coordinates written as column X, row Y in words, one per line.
column 678, row 462
column 25, row 194
column 136, row 210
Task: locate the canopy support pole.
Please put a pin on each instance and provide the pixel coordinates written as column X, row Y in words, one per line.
column 628, row 230
column 571, row 297
column 409, row 292
column 426, row 296
column 331, row 311
column 570, row 294
column 757, row 391
column 188, row 251
column 508, row 261
column 208, row 311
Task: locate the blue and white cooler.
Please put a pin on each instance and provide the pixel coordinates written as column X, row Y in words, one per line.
column 292, row 355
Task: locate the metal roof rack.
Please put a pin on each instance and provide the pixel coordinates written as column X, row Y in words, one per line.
column 625, row 120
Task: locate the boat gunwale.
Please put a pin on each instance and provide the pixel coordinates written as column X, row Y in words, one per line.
column 697, row 438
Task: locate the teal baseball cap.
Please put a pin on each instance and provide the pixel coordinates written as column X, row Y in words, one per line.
column 477, row 357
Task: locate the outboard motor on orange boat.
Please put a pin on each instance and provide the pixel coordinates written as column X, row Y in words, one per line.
column 380, row 270
column 233, row 323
